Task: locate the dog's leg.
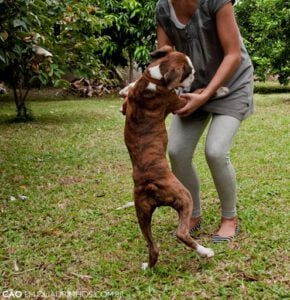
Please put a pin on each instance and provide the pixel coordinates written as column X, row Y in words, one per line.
column 184, row 208
column 172, row 193
column 144, row 214
column 125, row 91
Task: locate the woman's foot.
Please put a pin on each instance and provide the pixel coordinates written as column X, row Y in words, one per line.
column 228, row 230
column 195, row 223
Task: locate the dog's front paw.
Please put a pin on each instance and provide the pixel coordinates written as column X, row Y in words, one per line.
column 222, row 91
column 125, row 91
column 204, row 252
column 144, row 266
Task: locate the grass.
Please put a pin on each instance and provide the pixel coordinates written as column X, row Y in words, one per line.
column 73, row 167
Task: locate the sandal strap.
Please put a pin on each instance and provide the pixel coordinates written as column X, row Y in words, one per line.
column 219, row 239
column 196, row 227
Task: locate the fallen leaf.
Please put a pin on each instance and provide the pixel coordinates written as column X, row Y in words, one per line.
column 18, row 178
column 70, row 180
column 15, row 265
column 81, row 275
column 246, row 276
column 128, row 204
column 12, row 198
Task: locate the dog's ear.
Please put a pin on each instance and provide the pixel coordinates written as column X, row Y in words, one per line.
column 161, row 52
column 172, row 78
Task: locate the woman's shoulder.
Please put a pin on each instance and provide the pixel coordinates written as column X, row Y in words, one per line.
column 209, row 7
column 162, row 6
column 162, row 12
column 212, row 6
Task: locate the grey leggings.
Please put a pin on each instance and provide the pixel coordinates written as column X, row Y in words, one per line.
column 184, row 135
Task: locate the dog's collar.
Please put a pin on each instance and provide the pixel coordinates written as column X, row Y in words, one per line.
column 148, row 77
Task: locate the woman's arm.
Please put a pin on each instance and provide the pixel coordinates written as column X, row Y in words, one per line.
column 162, row 38
column 228, row 33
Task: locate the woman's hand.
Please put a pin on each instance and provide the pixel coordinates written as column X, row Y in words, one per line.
column 194, row 101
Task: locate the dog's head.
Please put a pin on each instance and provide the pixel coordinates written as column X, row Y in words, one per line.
column 172, row 67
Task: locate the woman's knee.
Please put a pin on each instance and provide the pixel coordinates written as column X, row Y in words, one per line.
column 174, row 151
column 216, row 155
column 177, row 153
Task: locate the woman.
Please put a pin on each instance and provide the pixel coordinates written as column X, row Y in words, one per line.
column 206, row 30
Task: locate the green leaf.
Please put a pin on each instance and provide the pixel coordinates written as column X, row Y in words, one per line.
column 2, row 56
column 33, row 79
column 43, row 78
column 18, row 50
column 19, row 23
column 4, row 35
column 61, row 83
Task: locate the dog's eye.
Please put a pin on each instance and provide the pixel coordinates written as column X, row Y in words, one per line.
column 186, row 73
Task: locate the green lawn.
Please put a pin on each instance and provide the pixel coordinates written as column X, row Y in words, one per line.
column 67, row 236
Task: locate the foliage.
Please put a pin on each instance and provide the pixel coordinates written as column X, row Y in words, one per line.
column 265, row 27
column 72, row 30
column 79, row 37
column 20, row 65
column 132, row 32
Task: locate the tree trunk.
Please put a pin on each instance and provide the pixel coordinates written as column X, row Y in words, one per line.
column 19, row 98
column 118, row 75
column 131, row 67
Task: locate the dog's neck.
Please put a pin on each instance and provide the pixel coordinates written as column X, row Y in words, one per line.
column 147, row 76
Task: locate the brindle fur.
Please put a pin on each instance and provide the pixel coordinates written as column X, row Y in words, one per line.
column 146, row 140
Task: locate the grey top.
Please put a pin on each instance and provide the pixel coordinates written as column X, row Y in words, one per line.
column 199, row 40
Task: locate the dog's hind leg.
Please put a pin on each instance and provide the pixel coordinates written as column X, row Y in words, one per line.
column 144, row 213
column 184, row 209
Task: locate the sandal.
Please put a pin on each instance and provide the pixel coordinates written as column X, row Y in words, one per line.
column 195, row 228
column 219, row 239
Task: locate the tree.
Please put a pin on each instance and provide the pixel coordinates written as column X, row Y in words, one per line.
column 265, row 27
column 131, row 34
column 79, row 38
column 71, row 30
column 20, row 54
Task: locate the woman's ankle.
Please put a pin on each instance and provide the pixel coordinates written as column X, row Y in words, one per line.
column 194, row 221
column 230, row 219
column 228, row 226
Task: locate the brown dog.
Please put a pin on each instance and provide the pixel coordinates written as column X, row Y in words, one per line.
column 149, row 101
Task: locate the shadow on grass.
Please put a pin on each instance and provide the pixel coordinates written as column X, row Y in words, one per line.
column 50, row 94
column 53, row 119
column 271, row 99
column 48, row 114
column 270, row 88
